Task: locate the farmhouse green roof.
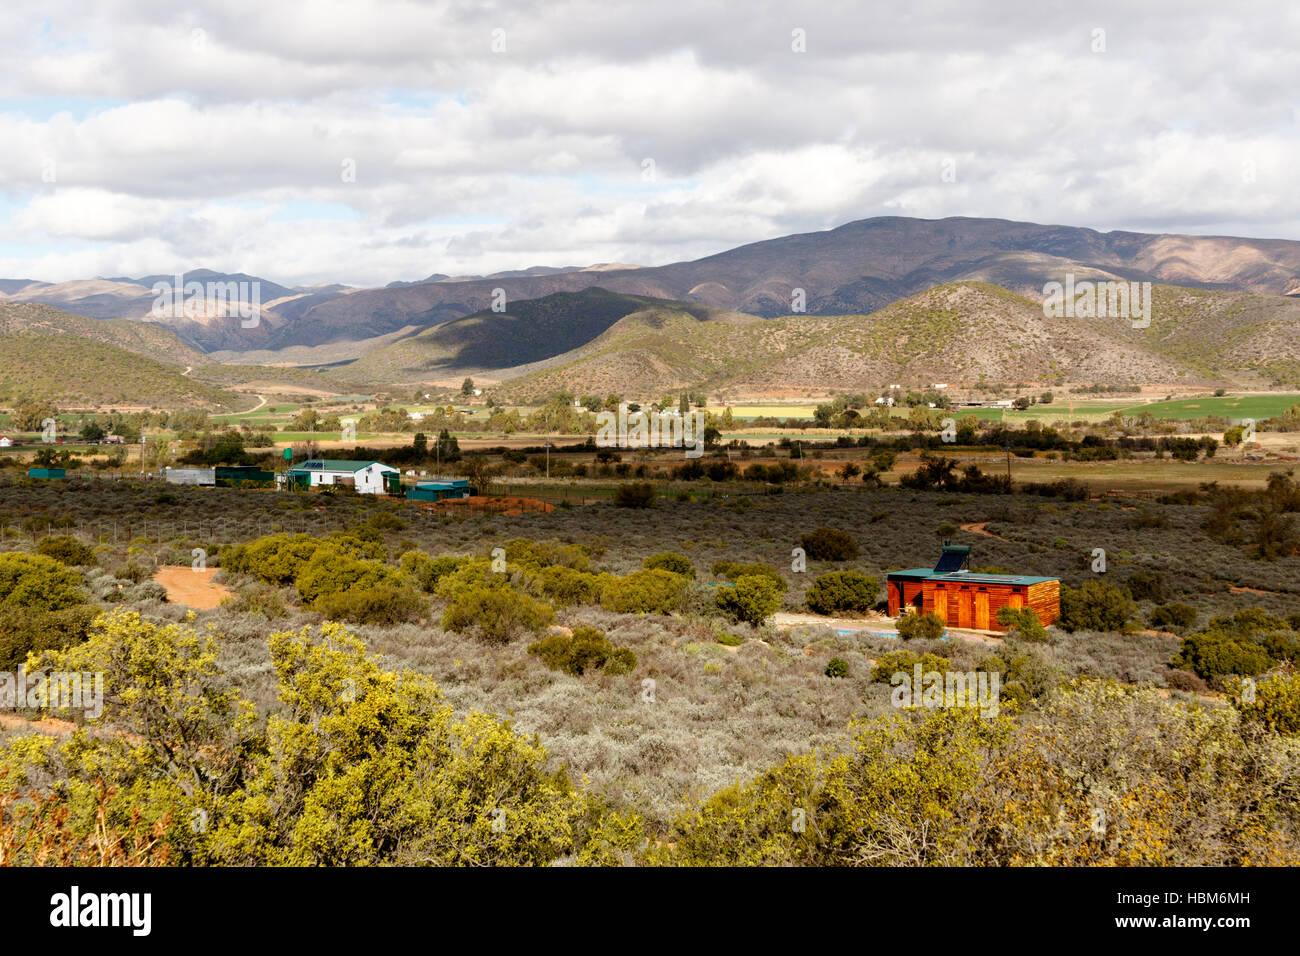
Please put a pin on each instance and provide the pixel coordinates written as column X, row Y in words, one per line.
column 334, row 464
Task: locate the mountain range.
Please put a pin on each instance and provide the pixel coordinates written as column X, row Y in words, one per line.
column 881, row 298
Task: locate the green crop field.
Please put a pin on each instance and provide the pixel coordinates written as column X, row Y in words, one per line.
column 1227, row 406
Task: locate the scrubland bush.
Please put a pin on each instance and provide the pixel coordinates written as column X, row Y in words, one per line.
column 331, row 571
column 359, row 766
column 384, row 603
column 670, row 561
column 587, row 649
column 1274, row 705
column 66, row 549
column 1211, row 654
column 753, row 599
column 837, row 667
column 426, row 570
column 731, row 570
column 1025, row 674
column 838, row 592
column 650, row 592
column 829, row 544
column 1174, row 617
column 529, row 553
column 634, row 495
column 970, row 783
column 27, row 630
column 926, row 626
column 34, row 581
column 893, row 662
column 276, row 559
column 498, row 614
column 1023, row 622
column 1186, row 681
column 1096, row 606
column 1148, row 586
column 472, row 573
column 564, row 587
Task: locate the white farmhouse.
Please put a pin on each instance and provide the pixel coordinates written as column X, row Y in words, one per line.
column 367, row 477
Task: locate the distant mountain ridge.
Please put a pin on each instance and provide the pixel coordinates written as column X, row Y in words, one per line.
column 597, row 341
column 854, row 269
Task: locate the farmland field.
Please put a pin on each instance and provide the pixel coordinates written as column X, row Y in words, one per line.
column 1233, row 407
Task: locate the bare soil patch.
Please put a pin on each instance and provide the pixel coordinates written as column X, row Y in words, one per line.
column 192, row 588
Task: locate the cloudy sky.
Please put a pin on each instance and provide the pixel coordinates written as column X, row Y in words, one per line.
column 364, row 141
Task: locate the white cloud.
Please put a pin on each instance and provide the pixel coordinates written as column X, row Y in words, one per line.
column 186, row 136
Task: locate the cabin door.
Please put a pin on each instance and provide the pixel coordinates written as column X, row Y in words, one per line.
column 941, row 604
column 982, row 610
column 963, row 608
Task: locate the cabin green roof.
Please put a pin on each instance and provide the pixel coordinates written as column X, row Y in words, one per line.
column 967, row 577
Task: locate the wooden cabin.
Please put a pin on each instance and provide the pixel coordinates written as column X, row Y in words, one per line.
column 965, row 599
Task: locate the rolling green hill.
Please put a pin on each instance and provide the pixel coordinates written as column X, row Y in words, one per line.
column 532, row 330
column 958, row 333
column 72, row 370
column 140, row 337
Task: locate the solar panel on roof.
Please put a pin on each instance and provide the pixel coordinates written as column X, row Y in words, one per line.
column 952, row 559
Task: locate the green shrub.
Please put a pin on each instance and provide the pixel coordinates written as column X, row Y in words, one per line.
column 1276, row 704
column 385, row 521
column 564, row 586
column 38, row 582
column 497, row 613
column 1246, row 623
column 472, row 573
column 526, row 552
column 837, row 667
column 587, row 649
column 893, row 662
column 1148, row 586
column 1210, row 654
column 731, row 570
column 27, row 630
column 753, row 599
column 1097, row 606
column 654, row 592
column 634, row 495
column 829, row 544
column 928, row 626
column 333, row 571
column 362, row 541
column 1024, row 622
column 622, row 661
column 1174, row 617
column 426, row 570
column 383, row 603
column 670, row 561
column 66, row 549
column 1026, row 675
column 730, row 640
column 842, row 591
column 276, row 558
